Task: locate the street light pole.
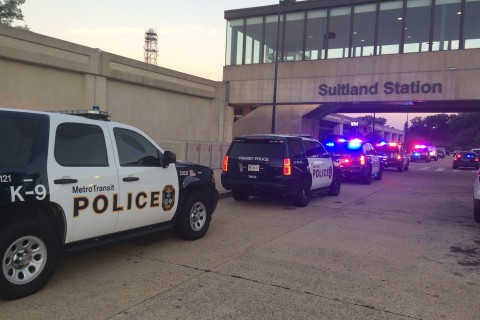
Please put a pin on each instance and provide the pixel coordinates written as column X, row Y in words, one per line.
column 274, row 102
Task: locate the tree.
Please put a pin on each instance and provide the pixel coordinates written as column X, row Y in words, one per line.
column 454, row 132
column 369, row 120
column 10, row 11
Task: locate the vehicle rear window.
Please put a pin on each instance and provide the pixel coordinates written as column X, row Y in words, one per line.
column 258, row 148
column 18, row 140
column 343, row 149
column 387, row 148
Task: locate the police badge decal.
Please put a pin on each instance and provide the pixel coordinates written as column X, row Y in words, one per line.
column 168, row 197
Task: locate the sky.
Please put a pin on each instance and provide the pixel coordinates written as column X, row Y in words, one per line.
column 191, row 33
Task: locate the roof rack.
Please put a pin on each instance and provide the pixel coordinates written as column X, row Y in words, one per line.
column 90, row 114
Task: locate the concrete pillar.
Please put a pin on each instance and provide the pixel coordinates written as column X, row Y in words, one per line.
column 338, row 129
column 95, row 92
column 389, row 136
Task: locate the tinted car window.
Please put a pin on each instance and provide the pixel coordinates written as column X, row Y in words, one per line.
column 311, row 148
column 258, row 148
column 135, row 150
column 389, row 149
column 343, row 149
column 18, row 138
column 80, row 145
column 295, row 148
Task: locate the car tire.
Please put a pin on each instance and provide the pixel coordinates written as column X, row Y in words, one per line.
column 194, row 220
column 454, row 167
column 239, row 195
column 367, row 177
column 335, row 186
column 302, row 198
column 29, row 251
column 476, row 214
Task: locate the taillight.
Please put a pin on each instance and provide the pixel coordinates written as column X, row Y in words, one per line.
column 399, row 157
column 225, row 164
column 287, row 167
column 362, row 160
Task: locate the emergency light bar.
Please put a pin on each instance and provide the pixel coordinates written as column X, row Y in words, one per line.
column 94, row 114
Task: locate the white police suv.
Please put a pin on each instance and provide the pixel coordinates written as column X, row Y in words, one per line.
column 68, row 182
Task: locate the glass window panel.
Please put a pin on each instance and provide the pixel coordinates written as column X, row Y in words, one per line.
column 19, row 136
column 472, row 24
column 446, row 30
column 254, row 29
column 234, row 48
column 339, row 32
column 134, row 150
column 363, row 37
column 293, row 45
column 316, row 34
column 390, row 27
column 417, row 26
column 270, row 43
column 80, row 145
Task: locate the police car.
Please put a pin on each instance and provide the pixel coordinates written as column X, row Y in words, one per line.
column 69, row 182
column 476, row 198
column 393, row 155
column 358, row 159
column 283, row 165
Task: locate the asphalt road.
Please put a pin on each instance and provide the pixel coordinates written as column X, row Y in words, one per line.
column 406, row 247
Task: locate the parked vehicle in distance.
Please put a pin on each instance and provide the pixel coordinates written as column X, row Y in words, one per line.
column 476, row 198
column 433, row 152
column 420, row 153
column 465, row 159
column 476, row 150
column 279, row 165
column 393, row 155
column 441, row 152
column 358, row 159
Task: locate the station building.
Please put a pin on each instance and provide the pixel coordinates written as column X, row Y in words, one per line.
column 293, row 67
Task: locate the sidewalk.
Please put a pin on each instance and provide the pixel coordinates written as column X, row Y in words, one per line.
column 218, row 182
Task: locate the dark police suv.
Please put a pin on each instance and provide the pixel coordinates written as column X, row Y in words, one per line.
column 393, row 155
column 284, row 165
column 69, row 182
column 358, row 159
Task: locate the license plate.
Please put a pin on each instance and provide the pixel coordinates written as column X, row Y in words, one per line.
column 254, row 167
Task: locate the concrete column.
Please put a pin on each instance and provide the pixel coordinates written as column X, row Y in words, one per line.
column 389, row 136
column 338, row 129
column 95, row 92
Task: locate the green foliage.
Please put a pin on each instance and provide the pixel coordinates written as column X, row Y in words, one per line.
column 369, row 120
column 10, row 11
column 453, row 132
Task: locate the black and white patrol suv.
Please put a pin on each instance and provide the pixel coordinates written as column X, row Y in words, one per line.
column 284, row 165
column 69, row 182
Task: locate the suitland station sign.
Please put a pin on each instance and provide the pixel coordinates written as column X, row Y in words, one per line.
column 389, row 87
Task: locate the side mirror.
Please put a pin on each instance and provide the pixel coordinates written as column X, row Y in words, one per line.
column 168, row 158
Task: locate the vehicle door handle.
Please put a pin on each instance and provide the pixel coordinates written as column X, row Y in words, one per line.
column 65, row 181
column 130, row 179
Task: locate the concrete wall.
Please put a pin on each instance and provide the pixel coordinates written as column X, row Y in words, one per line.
column 298, row 82
column 174, row 108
